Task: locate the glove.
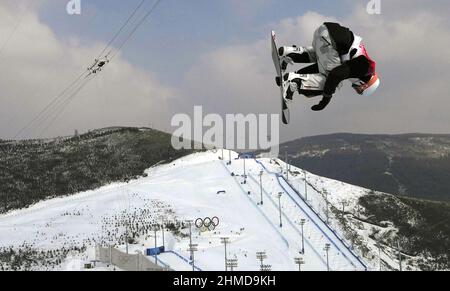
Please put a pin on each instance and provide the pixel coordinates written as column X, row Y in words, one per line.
column 324, row 103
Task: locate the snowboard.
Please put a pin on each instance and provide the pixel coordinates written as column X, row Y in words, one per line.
column 286, row 116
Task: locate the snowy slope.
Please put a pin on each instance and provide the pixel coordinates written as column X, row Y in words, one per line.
column 187, row 190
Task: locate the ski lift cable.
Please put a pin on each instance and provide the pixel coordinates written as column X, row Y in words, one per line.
column 64, row 105
column 48, row 107
column 56, row 105
column 133, row 31
column 48, row 77
column 38, row 89
column 122, row 28
column 70, row 98
column 60, row 104
column 129, row 27
column 59, row 96
column 16, row 27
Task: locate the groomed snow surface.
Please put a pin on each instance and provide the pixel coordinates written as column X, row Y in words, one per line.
column 186, row 190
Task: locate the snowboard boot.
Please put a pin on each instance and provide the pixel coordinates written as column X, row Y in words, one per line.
column 287, row 55
column 291, row 84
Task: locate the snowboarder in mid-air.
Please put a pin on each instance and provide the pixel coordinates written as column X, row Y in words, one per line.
column 336, row 54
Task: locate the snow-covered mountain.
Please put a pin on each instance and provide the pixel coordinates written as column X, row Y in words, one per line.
column 411, row 165
column 62, row 233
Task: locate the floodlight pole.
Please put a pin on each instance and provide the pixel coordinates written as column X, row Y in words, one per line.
column 156, row 246
column 225, row 241
column 327, row 250
column 138, row 267
column 302, row 224
column 162, row 230
column 279, row 208
column 261, row 256
column 126, row 238
column 261, row 186
column 299, row 262
column 245, row 172
column 306, row 188
column 190, row 236
column 287, row 167
column 232, row 263
column 379, row 256
column 193, row 248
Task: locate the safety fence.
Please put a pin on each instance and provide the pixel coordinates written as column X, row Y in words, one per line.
column 125, row 262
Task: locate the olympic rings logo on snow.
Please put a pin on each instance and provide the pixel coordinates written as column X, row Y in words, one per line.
column 208, row 223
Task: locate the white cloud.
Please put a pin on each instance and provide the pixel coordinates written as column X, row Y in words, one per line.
column 36, row 66
column 408, row 43
column 412, row 61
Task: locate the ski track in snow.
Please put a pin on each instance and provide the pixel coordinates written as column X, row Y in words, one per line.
column 186, row 189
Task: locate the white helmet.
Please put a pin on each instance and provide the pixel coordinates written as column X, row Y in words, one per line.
column 367, row 89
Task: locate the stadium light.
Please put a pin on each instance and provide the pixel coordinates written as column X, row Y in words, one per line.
column 327, row 250
column 279, row 207
column 193, row 248
column 261, row 186
column 261, row 256
column 299, row 262
column 232, row 264
column 302, row 224
column 225, row 241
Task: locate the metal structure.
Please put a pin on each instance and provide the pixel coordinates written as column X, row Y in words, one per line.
column 225, row 241
column 302, row 224
column 306, row 187
column 261, row 186
column 279, row 208
column 232, row 264
column 190, row 235
column 287, row 167
column 193, row 248
column 163, row 239
column 327, row 250
column 126, row 238
column 299, row 262
column 245, row 172
column 261, row 256
column 138, row 263
column 156, row 243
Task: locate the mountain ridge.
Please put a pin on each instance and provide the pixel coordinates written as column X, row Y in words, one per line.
column 413, row 165
column 33, row 170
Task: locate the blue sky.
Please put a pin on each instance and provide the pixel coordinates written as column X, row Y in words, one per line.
column 188, row 28
column 216, row 53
